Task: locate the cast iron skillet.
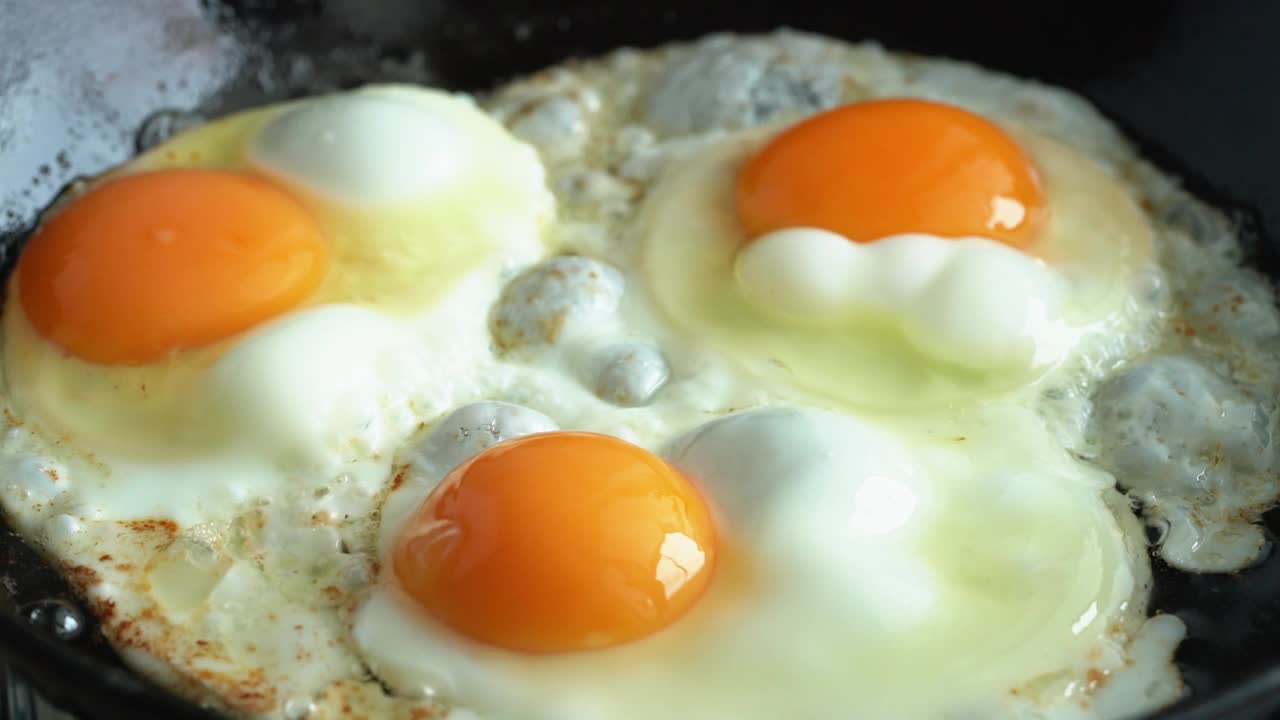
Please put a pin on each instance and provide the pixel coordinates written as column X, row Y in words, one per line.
column 1194, row 82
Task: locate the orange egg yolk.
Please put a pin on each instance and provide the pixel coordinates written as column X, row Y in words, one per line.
column 558, row 542
column 885, row 167
column 146, row 264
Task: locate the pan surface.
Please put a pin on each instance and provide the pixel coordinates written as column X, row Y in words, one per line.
column 1192, row 82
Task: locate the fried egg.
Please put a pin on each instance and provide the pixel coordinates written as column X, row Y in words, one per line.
column 844, row 564
column 225, row 302
column 895, row 253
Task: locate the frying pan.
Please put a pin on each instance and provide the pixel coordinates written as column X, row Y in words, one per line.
column 1197, row 84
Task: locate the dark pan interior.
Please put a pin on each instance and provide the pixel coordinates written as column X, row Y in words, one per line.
column 1191, row 81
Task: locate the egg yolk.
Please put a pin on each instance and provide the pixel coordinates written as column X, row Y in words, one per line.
column 886, row 167
column 146, row 264
column 557, row 542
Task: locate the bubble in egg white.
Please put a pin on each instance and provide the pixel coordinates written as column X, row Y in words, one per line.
column 298, row 709
column 820, row 495
column 474, row 427
column 631, row 373
column 933, row 287
column 773, row 475
column 554, row 114
column 710, row 454
column 363, row 147
column 61, row 527
column 553, row 300
column 725, row 83
column 164, row 124
column 36, row 479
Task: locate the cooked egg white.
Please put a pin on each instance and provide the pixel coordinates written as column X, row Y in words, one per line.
column 375, row 146
column 227, row 511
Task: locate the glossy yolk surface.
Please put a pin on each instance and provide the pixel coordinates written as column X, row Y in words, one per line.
column 886, row 167
column 147, row 264
column 557, row 542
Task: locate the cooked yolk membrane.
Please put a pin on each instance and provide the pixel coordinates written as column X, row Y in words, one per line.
column 558, row 542
column 150, row 263
column 886, row 167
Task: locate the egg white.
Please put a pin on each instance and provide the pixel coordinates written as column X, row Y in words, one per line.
column 244, row 600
